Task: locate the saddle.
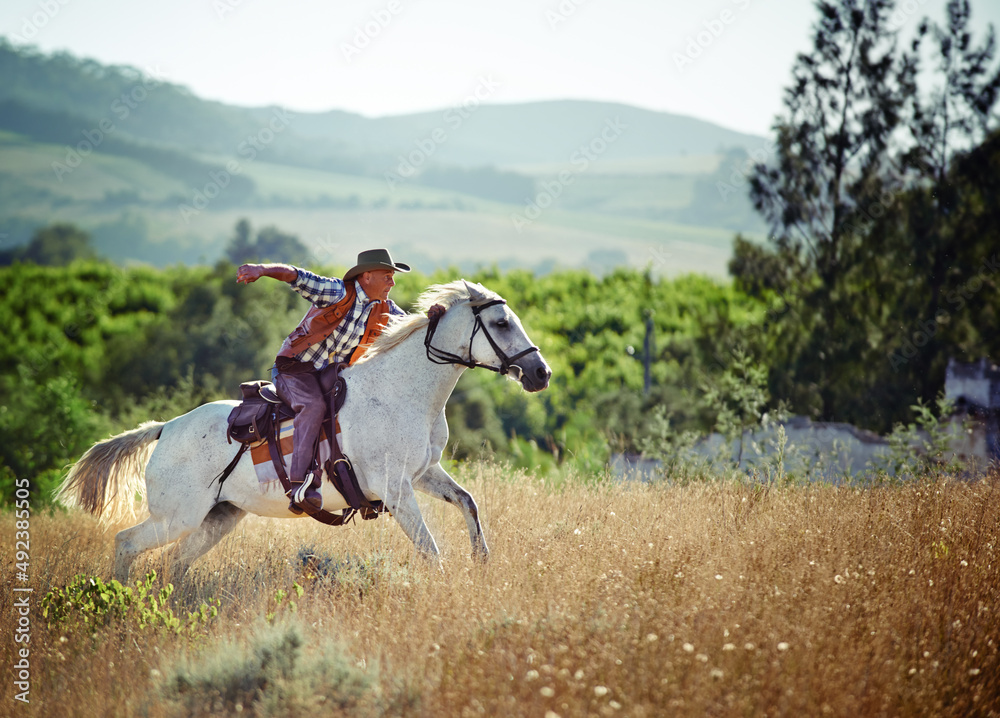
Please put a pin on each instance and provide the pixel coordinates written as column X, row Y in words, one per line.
column 258, row 419
column 254, row 419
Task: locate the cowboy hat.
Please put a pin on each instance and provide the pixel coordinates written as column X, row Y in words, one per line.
column 374, row 259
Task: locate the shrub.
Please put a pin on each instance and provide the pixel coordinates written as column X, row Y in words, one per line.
column 272, row 676
column 922, row 448
column 92, row 602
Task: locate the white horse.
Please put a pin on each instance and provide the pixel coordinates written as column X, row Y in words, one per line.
column 393, row 430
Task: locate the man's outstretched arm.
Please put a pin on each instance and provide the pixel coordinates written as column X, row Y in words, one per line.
column 248, row 273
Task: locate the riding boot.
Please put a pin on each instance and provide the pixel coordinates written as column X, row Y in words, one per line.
column 305, row 495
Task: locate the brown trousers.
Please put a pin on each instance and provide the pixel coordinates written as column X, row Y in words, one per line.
column 308, row 394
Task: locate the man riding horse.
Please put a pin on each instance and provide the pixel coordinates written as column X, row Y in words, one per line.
column 346, row 317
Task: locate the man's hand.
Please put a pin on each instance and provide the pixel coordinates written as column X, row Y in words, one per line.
column 248, row 273
column 252, row 272
column 436, row 312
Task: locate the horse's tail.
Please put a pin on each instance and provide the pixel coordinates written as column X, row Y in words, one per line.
column 107, row 479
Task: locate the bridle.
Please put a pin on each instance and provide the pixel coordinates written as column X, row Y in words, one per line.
column 439, row 356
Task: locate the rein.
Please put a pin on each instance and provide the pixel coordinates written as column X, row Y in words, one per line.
column 440, row 356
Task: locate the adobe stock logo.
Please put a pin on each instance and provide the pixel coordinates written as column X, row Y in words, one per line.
column 712, row 30
column 900, row 15
column 365, row 34
column 581, row 160
column 219, row 180
column 123, row 107
column 32, row 25
column 562, row 12
column 408, row 165
column 224, row 7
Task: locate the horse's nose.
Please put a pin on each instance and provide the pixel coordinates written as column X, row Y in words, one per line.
column 543, row 373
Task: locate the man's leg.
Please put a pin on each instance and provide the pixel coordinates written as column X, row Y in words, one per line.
column 303, row 393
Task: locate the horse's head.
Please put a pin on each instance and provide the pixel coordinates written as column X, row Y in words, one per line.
column 479, row 330
column 499, row 341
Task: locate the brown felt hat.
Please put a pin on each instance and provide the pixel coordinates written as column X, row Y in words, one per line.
column 374, row 259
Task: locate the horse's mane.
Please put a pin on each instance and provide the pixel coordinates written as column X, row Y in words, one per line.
column 400, row 328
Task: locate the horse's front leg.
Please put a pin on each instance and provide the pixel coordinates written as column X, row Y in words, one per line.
column 438, row 483
column 402, row 503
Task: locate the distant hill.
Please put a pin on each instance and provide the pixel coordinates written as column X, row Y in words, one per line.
column 148, row 108
column 537, row 132
column 146, row 148
column 140, row 104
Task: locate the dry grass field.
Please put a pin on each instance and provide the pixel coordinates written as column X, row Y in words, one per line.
column 599, row 599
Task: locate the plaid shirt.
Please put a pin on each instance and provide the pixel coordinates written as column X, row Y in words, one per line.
column 325, row 292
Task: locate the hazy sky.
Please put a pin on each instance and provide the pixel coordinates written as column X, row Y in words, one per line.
column 721, row 60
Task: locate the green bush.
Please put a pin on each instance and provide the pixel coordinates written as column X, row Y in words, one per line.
column 922, row 448
column 272, row 676
column 93, row 603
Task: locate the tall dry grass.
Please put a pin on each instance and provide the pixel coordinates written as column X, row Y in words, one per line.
column 601, row 599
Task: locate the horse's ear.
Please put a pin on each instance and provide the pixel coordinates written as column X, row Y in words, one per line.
column 475, row 295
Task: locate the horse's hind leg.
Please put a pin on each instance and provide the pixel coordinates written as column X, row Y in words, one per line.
column 438, row 483
column 151, row 533
column 220, row 521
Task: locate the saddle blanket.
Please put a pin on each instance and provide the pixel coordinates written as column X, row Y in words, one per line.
column 260, row 454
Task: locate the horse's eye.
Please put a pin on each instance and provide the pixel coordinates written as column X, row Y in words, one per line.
column 502, row 323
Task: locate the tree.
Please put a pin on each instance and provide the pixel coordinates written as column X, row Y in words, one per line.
column 270, row 245
column 274, row 245
column 739, row 399
column 843, row 105
column 954, row 118
column 57, row 245
column 957, row 114
column 922, row 254
column 46, row 423
column 864, row 198
column 240, row 249
column 757, row 269
column 832, row 160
